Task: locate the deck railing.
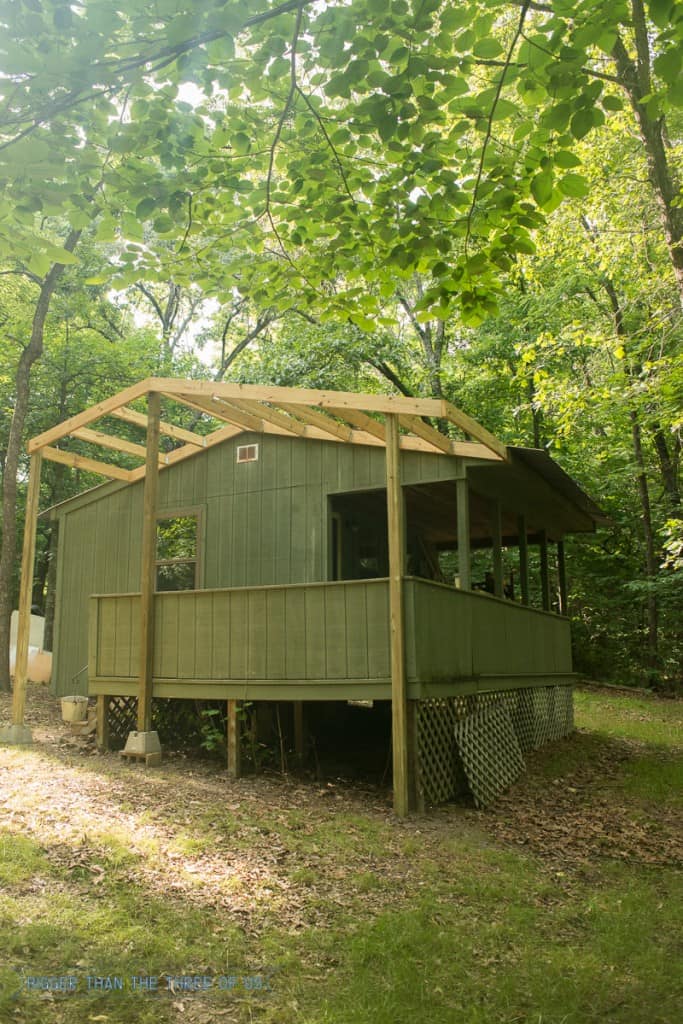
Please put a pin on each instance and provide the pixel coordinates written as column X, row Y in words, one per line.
column 322, row 640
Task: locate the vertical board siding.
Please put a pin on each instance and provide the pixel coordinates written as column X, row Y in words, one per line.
column 265, row 524
column 458, row 633
column 117, row 635
column 276, row 661
column 257, row 634
column 238, row 636
column 203, row 634
column 377, row 605
column 338, row 631
column 335, row 633
column 356, row 620
column 296, row 632
column 315, row 634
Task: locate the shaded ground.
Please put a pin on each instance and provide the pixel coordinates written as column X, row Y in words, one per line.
column 564, row 807
column 265, row 857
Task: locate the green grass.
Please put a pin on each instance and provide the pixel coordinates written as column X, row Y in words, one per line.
column 362, row 919
column 647, row 720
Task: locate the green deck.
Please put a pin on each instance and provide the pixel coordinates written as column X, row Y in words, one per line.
column 325, row 641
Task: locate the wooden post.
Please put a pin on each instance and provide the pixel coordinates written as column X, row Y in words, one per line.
column 415, row 794
column 26, row 595
column 497, row 548
column 299, row 731
column 102, row 732
column 562, row 574
column 148, row 577
column 523, row 559
column 396, row 532
column 463, row 509
column 233, row 738
column 545, row 571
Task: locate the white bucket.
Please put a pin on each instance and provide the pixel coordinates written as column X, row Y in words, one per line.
column 74, row 709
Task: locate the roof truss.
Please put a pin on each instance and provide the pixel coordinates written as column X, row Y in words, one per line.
column 337, row 416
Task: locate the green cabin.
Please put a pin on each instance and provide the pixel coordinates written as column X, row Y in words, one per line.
column 314, row 546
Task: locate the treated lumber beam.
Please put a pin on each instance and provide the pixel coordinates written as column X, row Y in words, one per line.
column 474, row 429
column 426, row 432
column 102, row 730
column 148, row 567
column 361, row 420
column 82, row 419
column 222, row 411
column 26, row 591
column 168, row 429
column 117, row 444
column 316, row 418
column 233, row 739
column 270, row 415
column 89, row 465
column 302, row 396
column 399, row 702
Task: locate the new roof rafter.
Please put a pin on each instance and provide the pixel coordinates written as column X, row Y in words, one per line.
column 337, row 416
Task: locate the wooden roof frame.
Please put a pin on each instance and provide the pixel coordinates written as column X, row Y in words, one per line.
column 338, row 416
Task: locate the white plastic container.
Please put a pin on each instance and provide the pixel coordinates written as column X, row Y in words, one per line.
column 74, row 709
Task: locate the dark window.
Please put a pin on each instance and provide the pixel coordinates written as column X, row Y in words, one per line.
column 177, row 553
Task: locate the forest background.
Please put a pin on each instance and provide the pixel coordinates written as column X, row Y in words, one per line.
column 479, row 201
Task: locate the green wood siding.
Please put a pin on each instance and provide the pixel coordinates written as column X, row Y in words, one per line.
column 458, row 633
column 264, row 523
column 328, row 640
column 316, row 632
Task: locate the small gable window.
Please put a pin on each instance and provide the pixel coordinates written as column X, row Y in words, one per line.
column 247, row 453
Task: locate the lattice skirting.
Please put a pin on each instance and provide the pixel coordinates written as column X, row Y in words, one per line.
column 177, row 721
column 476, row 743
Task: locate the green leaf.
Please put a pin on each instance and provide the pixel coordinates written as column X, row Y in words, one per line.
column 661, row 12
column 542, row 187
column 611, row 102
column 454, row 17
column 565, row 159
column 464, row 40
column 668, row 65
column 106, row 230
column 240, row 143
column 558, row 116
column 574, row 185
column 582, row 122
column 487, row 48
column 39, row 264
column 131, row 227
column 163, row 223
column 145, row 207
column 221, row 50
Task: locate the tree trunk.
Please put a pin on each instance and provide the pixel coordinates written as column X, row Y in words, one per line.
column 651, row 562
column 31, row 353
column 635, row 78
column 51, row 595
column 668, row 466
